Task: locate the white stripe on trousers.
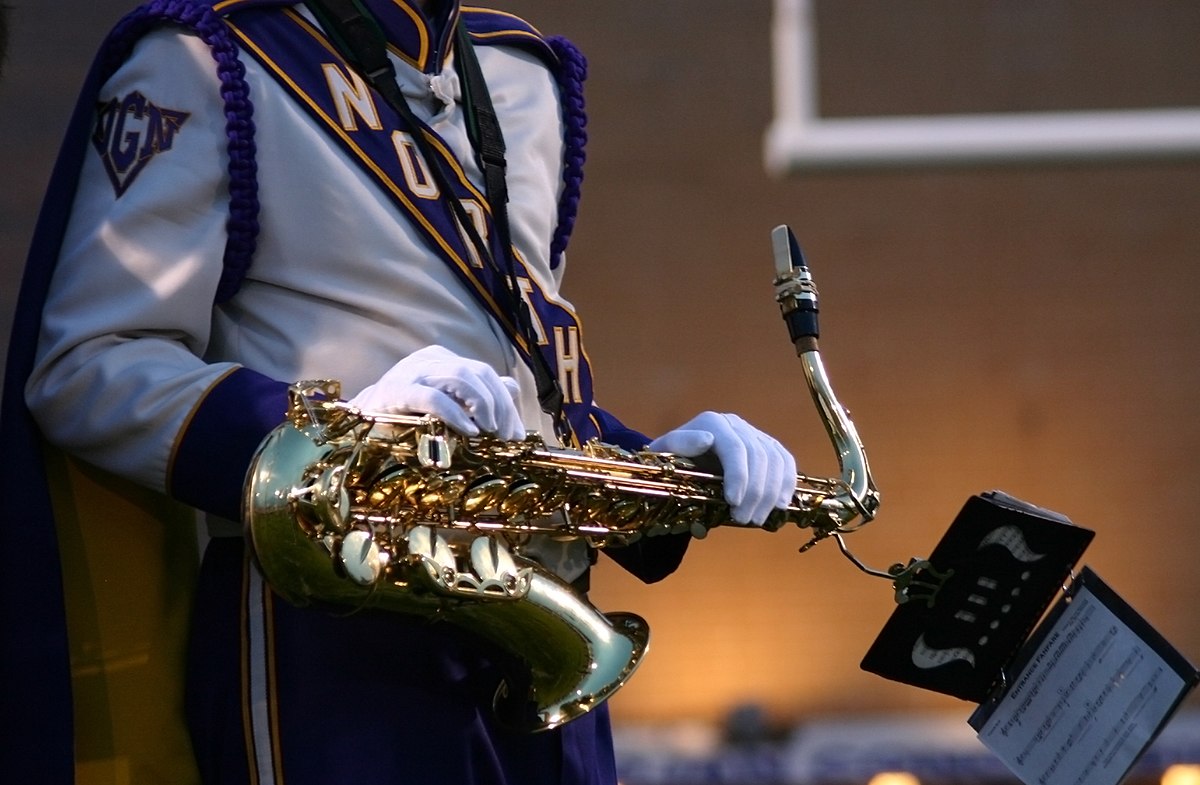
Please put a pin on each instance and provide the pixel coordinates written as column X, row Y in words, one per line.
column 258, row 686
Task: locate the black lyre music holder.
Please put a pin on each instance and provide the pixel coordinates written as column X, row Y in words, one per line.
column 1074, row 697
column 964, row 612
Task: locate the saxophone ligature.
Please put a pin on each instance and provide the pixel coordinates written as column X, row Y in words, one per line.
column 401, row 513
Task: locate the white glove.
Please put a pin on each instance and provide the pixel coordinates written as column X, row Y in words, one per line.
column 467, row 394
column 760, row 474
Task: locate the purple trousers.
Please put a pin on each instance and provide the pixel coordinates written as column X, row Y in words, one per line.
column 280, row 695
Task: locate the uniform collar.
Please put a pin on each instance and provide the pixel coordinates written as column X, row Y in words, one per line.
column 422, row 41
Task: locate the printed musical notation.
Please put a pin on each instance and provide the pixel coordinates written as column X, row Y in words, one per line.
column 1092, row 693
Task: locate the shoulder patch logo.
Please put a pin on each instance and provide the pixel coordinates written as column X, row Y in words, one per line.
column 129, row 132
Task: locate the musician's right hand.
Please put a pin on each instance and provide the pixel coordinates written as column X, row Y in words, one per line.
column 759, row 473
column 470, row 396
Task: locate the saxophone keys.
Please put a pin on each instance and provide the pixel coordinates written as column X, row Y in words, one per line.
column 362, row 558
column 484, row 493
column 678, row 519
column 433, row 551
column 443, row 490
column 590, row 506
column 324, row 502
column 523, row 498
column 434, row 450
column 411, row 485
column 623, row 512
column 554, row 498
column 495, row 566
column 388, row 488
column 490, row 559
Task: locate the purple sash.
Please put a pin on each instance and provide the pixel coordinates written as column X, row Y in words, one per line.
column 302, row 60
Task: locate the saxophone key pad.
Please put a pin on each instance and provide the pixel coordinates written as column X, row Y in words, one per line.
column 362, row 558
column 443, row 490
column 484, row 493
column 434, row 450
column 323, row 501
column 522, row 498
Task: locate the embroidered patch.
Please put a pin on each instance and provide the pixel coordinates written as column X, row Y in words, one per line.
column 129, row 132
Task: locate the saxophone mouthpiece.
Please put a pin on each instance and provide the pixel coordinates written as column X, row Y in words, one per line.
column 794, row 290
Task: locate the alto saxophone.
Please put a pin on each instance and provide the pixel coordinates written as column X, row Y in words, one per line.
column 401, row 513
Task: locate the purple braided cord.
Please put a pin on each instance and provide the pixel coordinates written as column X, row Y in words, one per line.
column 241, row 227
column 571, row 73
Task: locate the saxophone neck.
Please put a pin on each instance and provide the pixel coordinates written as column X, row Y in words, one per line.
column 797, row 296
column 858, row 502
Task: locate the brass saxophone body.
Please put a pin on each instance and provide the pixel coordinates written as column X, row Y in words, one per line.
column 401, row 513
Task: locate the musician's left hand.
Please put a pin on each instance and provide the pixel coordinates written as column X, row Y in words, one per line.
column 759, row 472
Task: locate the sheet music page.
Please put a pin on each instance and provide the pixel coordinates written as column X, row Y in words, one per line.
column 1086, row 704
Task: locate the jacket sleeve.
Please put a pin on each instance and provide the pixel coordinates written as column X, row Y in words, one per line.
column 120, row 378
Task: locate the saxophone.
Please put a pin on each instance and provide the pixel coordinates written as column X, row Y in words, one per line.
column 401, row 513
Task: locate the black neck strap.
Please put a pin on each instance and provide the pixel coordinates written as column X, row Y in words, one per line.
column 483, row 128
column 363, row 43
